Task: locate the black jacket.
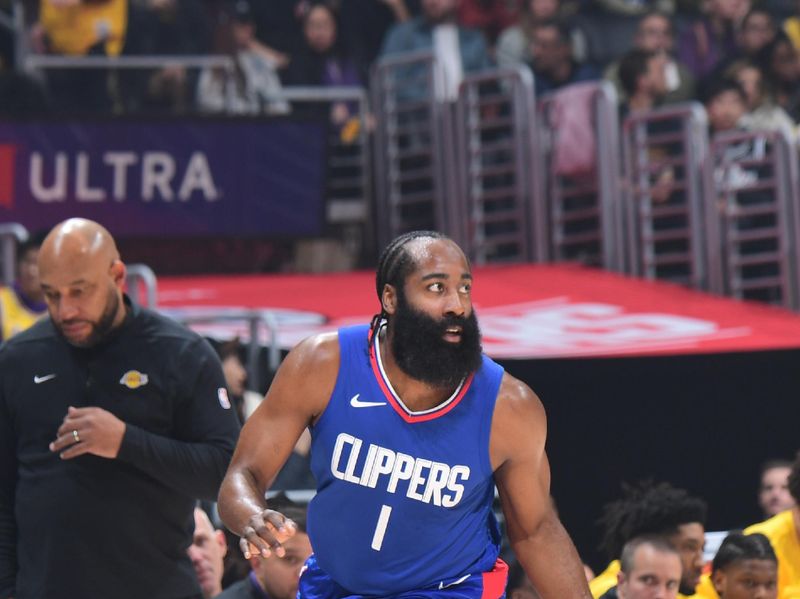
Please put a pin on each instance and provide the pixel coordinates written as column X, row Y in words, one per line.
column 95, row 527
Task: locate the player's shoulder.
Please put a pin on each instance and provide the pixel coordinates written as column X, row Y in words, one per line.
column 517, row 404
column 517, row 397
column 314, row 354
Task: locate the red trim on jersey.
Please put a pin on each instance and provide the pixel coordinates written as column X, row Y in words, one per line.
column 411, row 418
column 494, row 581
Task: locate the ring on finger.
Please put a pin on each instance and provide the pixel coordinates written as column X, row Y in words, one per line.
column 76, row 436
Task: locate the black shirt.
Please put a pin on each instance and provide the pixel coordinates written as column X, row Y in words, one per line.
column 95, row 527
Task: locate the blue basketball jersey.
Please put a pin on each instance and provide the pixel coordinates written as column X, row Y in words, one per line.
column 404, row 499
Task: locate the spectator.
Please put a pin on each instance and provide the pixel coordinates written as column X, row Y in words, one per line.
column 726, row 105
column 761, row 112
column 459, row 50
column 654, row 509
column 278, row 27
column 244, row 401
column 758, row 29
column 322, row 62
column 80, row 28
column 364, row 24
column 778, row 61
column 22, row 304
column 164, row 27
column 207, row 553
column 711, row 37
column 650, row 568
column 277, row 577
column 783, row 532
column 654, row 33
column 490, row 16
column 636, row 7
column 152, row 432
column 515, row 42
column 554, row 65
column 643, row 78
column 252, row 85
column 745, row 567
column 791, row 27
column 773, row 491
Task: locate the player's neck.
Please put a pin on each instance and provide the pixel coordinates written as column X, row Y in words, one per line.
column 416, row 395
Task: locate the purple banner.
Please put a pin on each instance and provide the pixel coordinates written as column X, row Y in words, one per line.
column 184, row 178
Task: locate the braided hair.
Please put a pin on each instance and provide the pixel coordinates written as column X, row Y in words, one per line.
column 394, row 265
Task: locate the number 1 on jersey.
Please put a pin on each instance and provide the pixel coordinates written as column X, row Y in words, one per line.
column 380, row 529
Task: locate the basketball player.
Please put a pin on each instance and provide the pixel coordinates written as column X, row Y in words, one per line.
column 412, row 428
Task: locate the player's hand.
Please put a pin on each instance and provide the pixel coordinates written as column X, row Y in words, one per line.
column 264, row 534
column 89, row 430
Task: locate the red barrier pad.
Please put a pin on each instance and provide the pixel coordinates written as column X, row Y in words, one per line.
column 525, row 311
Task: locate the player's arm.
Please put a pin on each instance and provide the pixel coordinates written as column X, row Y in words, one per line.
column 522, row 475
column 297, row 396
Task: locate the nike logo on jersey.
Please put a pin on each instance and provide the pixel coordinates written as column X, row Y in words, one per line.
column 357, row 403
column 454, row 583
column 42, row 379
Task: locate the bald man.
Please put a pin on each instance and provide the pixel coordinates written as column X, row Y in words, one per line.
column 113, row 421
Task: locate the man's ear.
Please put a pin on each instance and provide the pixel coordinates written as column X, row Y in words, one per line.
column 718, row 580
column 389, row 299
column 219, row 536
column 118, row 272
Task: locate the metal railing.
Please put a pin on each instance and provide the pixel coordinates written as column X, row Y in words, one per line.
column 582, row 199
column 349, row 177
column 665, row 152
column 197, row 61
column 138, row 276
column 753, row 200
column 412, row 182
column 495, row 129
column 11, row 234
column 255, row 319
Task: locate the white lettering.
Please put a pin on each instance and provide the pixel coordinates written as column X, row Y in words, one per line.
column 337, row 453
column 119, row 162
column 57, row 192
column 452, row 485
column 83, row 191
column 351, row 462
column 437, row 481
column 370, row 461
column 198, row 178
column 384, row 462
column 403, row 467
column 417, row 479
column 431, row 482
column 158, row 169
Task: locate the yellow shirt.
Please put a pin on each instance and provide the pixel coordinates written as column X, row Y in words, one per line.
column 792, row 28
column 73, row 29
column 15, row 316
column 608, row 578
column 706, row 590
column 785, row 538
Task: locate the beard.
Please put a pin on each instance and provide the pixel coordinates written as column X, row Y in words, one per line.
column 420, row 350
column 99, row 328
column 686, row 588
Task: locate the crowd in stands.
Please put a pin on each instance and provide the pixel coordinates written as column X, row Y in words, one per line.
column 655, row 51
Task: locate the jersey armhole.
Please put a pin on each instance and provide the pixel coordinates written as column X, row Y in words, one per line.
column 495, row 380
column 346, row 348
